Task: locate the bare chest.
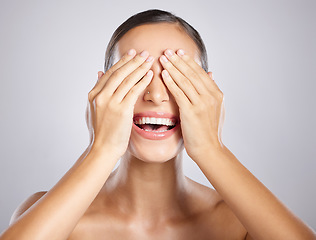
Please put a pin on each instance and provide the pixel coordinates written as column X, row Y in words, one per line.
column 112, row 230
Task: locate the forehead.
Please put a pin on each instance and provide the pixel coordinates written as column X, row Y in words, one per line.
column 156, row 38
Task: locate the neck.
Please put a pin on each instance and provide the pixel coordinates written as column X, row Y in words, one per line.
column 152, row 190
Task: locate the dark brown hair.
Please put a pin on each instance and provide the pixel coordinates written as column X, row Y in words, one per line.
column 148, row 17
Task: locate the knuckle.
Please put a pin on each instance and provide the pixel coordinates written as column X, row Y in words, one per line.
column 175, row 59
column 91, row 96
column 109, row 72
column 191, row 108
column 177, row 95
column 113, row 106
column 186, row 57
column 99, row 101
column 186, row 83
column 127, row 81
column 125, row 59
column 211, row 100
column 201, row 108
column 145, row 65
column 138, row 60
column 142, row 68
column 220, row 95
column 132, row 91
column 193, row 75
column 117, row 74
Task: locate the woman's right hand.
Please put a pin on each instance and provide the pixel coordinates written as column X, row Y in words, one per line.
column 111, row 102
column 109, row 118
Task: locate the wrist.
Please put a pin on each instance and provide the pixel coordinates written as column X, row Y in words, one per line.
column 210, row 151
column 103, row 151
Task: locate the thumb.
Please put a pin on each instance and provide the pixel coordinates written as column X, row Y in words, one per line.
column 211, row 75
column 100, row 74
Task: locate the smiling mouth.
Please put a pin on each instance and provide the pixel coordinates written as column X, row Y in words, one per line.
column 152, row 124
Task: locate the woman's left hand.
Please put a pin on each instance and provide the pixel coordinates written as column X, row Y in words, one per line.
column 200, row 101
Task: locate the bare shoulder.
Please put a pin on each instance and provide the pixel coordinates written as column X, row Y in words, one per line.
column 215, row 217
column 26, row 205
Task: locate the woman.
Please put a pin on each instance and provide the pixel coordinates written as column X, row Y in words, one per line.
column 156, row 100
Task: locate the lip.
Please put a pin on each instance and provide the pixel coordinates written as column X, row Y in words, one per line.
column 156, row 135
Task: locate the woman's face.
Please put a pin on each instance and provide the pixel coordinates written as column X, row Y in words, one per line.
column 156, row 38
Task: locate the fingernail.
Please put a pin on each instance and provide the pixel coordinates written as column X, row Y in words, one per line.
column 99, row 74
column 164, row 59
column 180, row 52
column 169, row 52
column 131, row 52
column 149, row 59
column 212, row 75
column 144, row 54
column 149, row 73
column 165, row 73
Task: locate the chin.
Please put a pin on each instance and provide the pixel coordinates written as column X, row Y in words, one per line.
column 155, row 151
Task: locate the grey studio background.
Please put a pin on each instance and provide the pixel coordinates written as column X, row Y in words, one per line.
column 262, row 54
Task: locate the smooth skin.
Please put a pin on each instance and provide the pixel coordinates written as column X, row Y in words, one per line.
column 148, row 197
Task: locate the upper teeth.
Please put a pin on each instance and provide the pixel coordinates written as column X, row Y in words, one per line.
column 152, row 120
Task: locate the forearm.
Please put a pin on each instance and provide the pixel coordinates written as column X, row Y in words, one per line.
column 261, row 213
column 56, row 214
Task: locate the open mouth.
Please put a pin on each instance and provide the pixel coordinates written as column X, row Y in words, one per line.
column 152, row 124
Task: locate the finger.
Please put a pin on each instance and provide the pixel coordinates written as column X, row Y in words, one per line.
column 211, row 75
column 131, row 80
column 215, row 88
column 186, row 70
column 181, row 81
column 180, row 98
column 121, row 73
column 100, row 74
column 133, row 94
column 104, row 77
column 198, row 69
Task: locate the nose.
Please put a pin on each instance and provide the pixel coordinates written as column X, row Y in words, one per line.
column 156, row 92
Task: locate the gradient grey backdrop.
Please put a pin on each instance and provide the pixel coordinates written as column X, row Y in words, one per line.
column 262, row 55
